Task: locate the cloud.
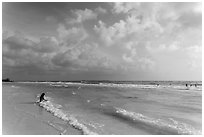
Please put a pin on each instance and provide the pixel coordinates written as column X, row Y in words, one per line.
column 174, row 46
column 150, row 28
column 20, row 51
column 100, row 10
column 127, row 59
column 124, row 7
column 195, row 56
column 83, row 57
column 140, row 24
column 82, row 15
column 47, row 45
column 130, row 46
column 19, row 42
column 71, row 36
column 135, row 37
column 69, row 51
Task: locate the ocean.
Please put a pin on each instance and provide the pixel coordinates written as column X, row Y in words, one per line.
column 122, row 107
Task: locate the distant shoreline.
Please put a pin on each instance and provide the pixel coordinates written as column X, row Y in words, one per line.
column 105, row 81
column 7, row 80
column 190, row 83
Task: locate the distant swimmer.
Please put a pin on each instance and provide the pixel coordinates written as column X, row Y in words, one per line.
column 186, row 85
column 42, row 97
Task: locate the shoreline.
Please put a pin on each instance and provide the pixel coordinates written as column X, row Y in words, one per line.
column 21, row 116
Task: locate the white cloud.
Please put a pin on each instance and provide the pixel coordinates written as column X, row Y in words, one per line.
column 100, row 10
column 124, row 7
column 71, row 36
column 83, row 56
column 163, row 48
column 49, row 53
column 127, row 59
column 82, row 15
column 137, row 24
column 138, row 37
column 19, row 51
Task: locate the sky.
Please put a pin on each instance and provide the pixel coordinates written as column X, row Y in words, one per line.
column 102, row 41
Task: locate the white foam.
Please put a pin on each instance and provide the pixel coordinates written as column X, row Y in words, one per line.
column 56, row 110
column 125, row 85
column 181, row 128
column 14, row 86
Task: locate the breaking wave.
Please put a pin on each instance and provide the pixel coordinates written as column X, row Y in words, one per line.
column 56, row 110
column 125, row 85
column 171, row 126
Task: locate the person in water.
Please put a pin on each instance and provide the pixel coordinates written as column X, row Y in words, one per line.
column 42, row 97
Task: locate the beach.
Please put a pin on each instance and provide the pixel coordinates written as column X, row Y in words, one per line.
column 21, row 116
column 102, row 68
column 106, row 108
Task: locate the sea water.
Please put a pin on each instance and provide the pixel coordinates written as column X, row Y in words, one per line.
column 125, row 107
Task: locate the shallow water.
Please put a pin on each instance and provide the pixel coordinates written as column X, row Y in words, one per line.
column 123, row 107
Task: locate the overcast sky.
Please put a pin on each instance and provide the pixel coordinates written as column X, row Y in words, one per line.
column 102, row 41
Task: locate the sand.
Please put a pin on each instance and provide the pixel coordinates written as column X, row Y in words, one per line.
column 21, row 116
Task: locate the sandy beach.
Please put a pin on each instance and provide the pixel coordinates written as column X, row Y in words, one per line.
column 21, row 116
column 104, row 109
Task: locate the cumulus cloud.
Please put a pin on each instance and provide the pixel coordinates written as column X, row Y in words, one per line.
column 19, row 51
column 130, row 46
column 174, row 46
column 132, row 33
column 135, row 36
column 83, row 57
column 68, row 51
column 124, row 7
column 82, row 15
column 71, row 36
column 151, row 28
column 100, row 10
column 142, row 25
column 127, row 59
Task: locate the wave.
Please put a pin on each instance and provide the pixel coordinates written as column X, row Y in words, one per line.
column 125, row 85
column 56, row 110
column 178, row 86
column 171, row 126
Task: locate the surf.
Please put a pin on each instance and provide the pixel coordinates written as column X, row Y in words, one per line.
column 56, row 110
column 170, row 127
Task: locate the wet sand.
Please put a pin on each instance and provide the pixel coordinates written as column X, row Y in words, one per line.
column 22, row 116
